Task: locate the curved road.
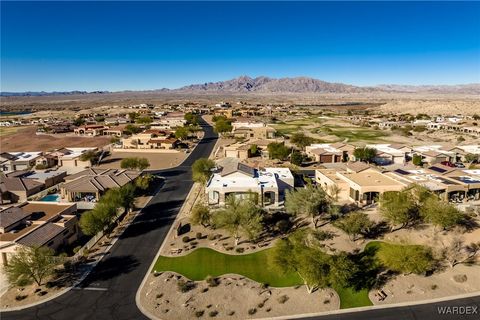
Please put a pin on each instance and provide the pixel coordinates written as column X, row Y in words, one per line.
column 109, row 290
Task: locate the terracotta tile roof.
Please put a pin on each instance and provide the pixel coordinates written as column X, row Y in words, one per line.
column 41, row 235
column 11, row 216
column 19, row 184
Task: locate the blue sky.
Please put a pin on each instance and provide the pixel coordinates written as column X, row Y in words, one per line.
column 148, row 45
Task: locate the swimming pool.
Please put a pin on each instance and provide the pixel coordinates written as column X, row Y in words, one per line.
column 51, row 198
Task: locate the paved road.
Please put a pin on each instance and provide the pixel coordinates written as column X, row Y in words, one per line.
column 418, row 312
column 109, row 291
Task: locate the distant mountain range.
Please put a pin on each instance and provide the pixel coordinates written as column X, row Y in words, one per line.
column 245, row 84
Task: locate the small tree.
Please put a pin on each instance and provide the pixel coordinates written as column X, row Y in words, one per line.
column 90, row 156
column 182, row 133
column 278, row 150
column 365, row 154
column 301, row 140
column 201, row 215
column 191, row 118
column 398, row 208
column 296, row 158
column 406, row 259
column 417, row 160
column 239, row 217
column 342, row 269
column 145, row 120
column 293, row 254
column 253, row 150
column 310, row 201
column 222, row 126
column 202, row 170
column 471, row 158
column 135, row 163
column 354, row 224
column 32, row 263
column 456, row 252
column 440, row 213
column 143, row 182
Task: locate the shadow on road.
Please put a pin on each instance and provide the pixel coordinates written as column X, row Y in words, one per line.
column 110, row 268
column 155, row 216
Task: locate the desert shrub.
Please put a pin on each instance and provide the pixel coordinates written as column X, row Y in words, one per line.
column 260, row 305
column 460, row 278
column 213, row 313
column 282, row 299
column 231, row 313
column 20, row 297
column 240, row 250
column 199, row 313
column 212, row 281
column 326, row 301
column 434, row 287
column 211, row 237
column 158, row 296
column 194, row 243
column 229, row 248
column 199, row 235
column 185, row 239
column 185, row 286
column 252, row 311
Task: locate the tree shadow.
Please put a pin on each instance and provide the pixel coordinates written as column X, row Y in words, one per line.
column 110, row 268
column 155, row 216
column 368, row 269
column 377, row 231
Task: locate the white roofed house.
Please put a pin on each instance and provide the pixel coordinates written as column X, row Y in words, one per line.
column 389, row 153
column 236, row 179
column 12, row 161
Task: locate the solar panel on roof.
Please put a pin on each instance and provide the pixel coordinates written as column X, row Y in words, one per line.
column 403, row 172
column 437, row 169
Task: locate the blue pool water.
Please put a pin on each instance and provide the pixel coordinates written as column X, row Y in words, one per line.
column 51, row 198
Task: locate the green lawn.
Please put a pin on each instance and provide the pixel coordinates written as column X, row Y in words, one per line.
column 204, row 262
column 349, row 298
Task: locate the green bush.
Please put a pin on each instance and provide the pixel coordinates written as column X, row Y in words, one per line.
column 185, row 239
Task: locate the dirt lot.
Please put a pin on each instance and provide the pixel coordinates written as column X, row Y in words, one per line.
column 162, row 297
column 25, row 139
column 157, row 160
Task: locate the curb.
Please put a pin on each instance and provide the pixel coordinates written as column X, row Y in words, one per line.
column 377, row 307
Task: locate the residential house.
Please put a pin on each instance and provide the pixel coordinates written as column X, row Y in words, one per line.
column 389, row 153
column 90, row 130
column 72, row 157
column 330, row 153
column 17, row 189
column 12, row 161
column 364, row 186
column 53, row 225
column 267, row 186
column 89, row 185
column 150, row 139
column 434, row 154
column 48, row 177
column 263, row 132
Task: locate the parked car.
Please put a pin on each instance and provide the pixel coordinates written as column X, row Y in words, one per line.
column 448, row 164
column 459, row 165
